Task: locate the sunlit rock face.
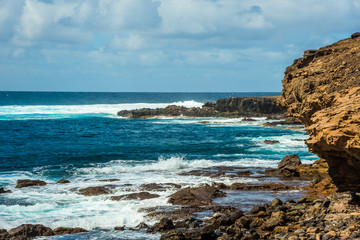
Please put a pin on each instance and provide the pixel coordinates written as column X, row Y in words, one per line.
column 322, row 89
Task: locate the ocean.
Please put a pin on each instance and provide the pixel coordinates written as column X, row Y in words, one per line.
column 78, row 136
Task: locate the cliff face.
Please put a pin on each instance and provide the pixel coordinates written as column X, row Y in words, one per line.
column 322, row 89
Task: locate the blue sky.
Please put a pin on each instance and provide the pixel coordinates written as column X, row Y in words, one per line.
column 163, row 45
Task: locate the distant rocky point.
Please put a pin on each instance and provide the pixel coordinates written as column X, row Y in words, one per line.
column 226, row 107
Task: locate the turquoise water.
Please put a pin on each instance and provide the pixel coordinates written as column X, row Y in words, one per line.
column 78, row 136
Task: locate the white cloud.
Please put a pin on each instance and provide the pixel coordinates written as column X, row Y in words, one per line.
column 132, row 42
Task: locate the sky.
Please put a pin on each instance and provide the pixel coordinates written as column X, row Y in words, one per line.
column 163, row 45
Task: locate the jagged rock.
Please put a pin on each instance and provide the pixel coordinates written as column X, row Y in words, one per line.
column 261, row 187
column 322, row 89
column 142, row 225
column 288, row 165
column 196, row 196
column 135, row 196
column 159, row 187
column 63, row 181
column 28, row 231
column 29, row 183
column 94, row 191
column 276, row 219
column 67, row 230
column 165, row 224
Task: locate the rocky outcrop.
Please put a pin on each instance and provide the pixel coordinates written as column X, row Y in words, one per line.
column 94, row 191
column 227, row 107
column 29, row 183
column 322, row 89
column 135, row 196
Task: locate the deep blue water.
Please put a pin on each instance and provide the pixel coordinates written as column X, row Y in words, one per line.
column 78, row 136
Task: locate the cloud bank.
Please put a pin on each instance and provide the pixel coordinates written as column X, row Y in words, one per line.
column 163, row 45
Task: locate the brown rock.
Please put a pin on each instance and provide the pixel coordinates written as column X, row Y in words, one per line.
column 134, row 196
column 29, row 231
column 29, row 183
column 2, row 190
column 94, row 191
column 322, row 89
column 262, row 187
column 271, row 141
column 355, row 35
column 159, row 187
column 276, row 219
column 66, row 230
column 196, row 196
column 63, row 181
column 165, row 224
column 289, row 164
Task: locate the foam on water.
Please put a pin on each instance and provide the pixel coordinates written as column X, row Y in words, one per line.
column 67, row 111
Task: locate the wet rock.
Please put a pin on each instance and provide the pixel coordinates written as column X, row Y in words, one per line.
column 2, row 190
column 206, row 232
column 29, row 231
column 135, row 196
column 159, row 187
column 122, row 228
column 271, row 141
column 262, row 187
column 257, row 208
column 175, row 234
column 66, row 230
column 196, row 196
column 109, row 180
column 94, row 191
column 288, row 165
column 142, row 225
column 244, row 173
column 63, row 181
column 29, row 183
column 165, row 224
column 248, row 120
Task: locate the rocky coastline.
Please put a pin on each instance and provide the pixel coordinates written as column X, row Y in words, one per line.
column 227, row 107
column 322, row 89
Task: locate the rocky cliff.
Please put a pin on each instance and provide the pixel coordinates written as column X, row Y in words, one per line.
column 227, row 107
column 322, row 89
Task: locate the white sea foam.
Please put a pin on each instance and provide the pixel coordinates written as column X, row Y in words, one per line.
column 65, row 111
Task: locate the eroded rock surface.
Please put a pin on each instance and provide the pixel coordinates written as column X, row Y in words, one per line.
column 322, row 89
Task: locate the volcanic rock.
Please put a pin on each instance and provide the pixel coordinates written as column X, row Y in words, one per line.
column 196, row 196
column 322, row 89
column 29, row 183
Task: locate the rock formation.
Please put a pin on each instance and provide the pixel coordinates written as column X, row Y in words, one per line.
column 227, row 107
column 322, row 89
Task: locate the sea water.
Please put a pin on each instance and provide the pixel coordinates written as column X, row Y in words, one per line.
column 79, row 137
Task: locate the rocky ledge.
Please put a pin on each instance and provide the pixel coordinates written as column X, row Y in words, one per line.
column 322, row 89
column 226, row 107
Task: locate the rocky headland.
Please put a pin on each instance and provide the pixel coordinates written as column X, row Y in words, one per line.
column 322, row 89
column 226, row 107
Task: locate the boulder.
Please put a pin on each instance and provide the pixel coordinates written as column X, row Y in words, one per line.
column 165, row 224
column 63, row 181
column 271, row 141
column 29, row 231
column 135, row 196
column 29, row 183
column 2, row 190
column 355, row 35
column 196, row 196
column 288, row 165
column 94, row 191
